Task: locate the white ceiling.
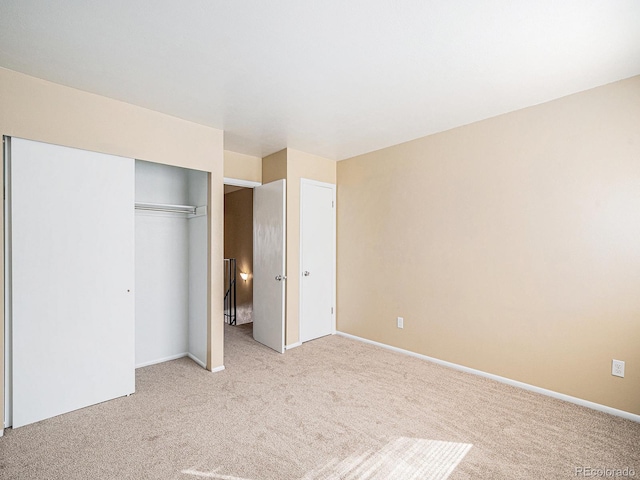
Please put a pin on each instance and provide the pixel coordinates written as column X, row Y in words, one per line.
column 333, row 78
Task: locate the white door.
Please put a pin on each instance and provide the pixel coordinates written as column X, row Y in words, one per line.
column 72, row 269
column 269, row 207
column 317, row 259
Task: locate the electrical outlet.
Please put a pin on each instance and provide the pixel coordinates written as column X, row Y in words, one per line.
column 617, row 368
column 400, row 322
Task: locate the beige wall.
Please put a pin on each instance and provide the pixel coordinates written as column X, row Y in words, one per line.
column 242, row 167
column 299, row 165
column 38, row 110
column 238, row 244
column 510, row 245
column 294, row 165
column 274, row 166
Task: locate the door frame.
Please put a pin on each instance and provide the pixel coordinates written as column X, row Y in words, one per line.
column 332, row 187
column 238, row 182
column 5, row 292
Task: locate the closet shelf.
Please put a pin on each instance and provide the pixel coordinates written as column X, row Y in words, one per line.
column 190, row 210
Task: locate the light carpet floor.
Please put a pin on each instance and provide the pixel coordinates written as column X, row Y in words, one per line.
column 333, row 408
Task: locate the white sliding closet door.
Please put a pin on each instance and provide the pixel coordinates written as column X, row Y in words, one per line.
column 72, row 245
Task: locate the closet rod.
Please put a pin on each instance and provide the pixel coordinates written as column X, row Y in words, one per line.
column 161, row 207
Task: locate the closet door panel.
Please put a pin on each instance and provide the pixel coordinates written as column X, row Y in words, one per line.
column 162, row 288
column 72, row 253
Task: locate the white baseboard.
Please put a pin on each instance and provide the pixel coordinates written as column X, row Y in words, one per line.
column 293, row 345
column 175, row 357
column 197, row 360
column 217, row 369
column 164, row 359
column 515, row 383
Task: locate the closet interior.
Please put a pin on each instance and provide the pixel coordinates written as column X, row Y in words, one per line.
column 170, row 263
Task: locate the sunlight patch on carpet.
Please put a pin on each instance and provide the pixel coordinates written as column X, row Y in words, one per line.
column 213, row 474
column 406, row 458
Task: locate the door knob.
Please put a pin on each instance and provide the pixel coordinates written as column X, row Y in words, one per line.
column 306, row 273
column 281, row 277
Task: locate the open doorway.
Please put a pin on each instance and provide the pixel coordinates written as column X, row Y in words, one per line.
column 255, row 234
column 238, row 254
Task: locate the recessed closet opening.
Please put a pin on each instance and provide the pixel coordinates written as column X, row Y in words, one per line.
column 170, row 263
column 105, row 271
